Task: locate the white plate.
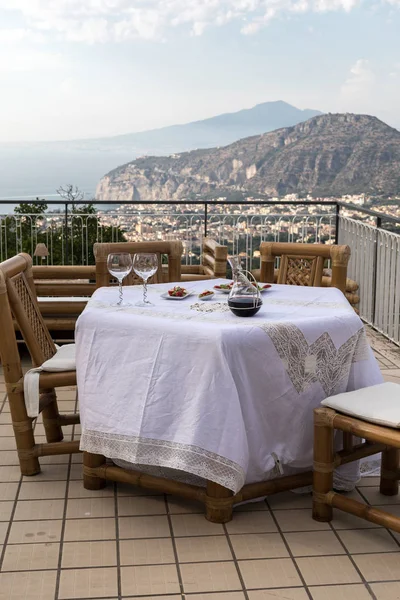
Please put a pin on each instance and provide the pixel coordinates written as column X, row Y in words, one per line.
column 266, row 289
column 222, row 291
column 209, row 297
column 166, row 296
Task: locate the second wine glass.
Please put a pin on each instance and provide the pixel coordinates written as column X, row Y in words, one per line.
column 145, row 266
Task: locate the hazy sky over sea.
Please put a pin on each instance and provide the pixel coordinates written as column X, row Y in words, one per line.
column 90, row 68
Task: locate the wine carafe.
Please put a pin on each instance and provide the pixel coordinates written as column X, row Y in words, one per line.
column 244, row 299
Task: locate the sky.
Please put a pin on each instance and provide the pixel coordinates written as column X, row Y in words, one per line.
column 92, row 68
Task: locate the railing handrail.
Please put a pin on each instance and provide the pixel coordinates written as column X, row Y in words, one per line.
column 240, row 224
column 198, row 202
column 328, row 203
column 369, row 212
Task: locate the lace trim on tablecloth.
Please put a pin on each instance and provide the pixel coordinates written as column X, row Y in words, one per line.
column 320, row 361
column 160, row 453
column 209, row 307
column 312, row 303
column 163, row 472
column 202, row 311
column 371, row 466
column 197, row 314
column 340, row 483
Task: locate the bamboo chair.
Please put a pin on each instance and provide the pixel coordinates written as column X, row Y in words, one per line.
column 372, row 414
column 18, row 299
column 63, row 292
column 173, row 250
column 303, row 264
column 213, row 263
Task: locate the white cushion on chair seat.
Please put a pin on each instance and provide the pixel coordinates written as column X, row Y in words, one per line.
column 377, row 404
column 63, row 360
column 56, row 299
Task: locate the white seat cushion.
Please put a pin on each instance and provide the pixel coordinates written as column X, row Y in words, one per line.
column 377, row 404
column 63, row 360
column 56, row 299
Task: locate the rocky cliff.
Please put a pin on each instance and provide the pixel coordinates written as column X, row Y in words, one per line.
column 327, row 155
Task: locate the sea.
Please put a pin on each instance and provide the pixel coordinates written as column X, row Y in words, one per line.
column 12, row 202
column 37, row 170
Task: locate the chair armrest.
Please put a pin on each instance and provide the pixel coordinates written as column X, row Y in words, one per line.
column 49, row 380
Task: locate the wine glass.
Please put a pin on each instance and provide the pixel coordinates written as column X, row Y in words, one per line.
column 119, row 265
column 145, row 265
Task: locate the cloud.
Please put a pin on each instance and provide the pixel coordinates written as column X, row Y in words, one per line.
column 19, row 34
column 19, row 62
column 360, row 80
column 371, row 88
column 68, row 86
column 100, row 21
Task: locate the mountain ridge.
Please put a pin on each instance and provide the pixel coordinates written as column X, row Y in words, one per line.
column 265, row 116
column 330, row 155
column 47, row 165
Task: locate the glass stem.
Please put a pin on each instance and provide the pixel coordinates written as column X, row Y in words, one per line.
column 145, row 291
column 120, row 292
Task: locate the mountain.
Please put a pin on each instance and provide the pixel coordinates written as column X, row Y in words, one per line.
column 216, row 131
column 37, row 169
column 328, row 155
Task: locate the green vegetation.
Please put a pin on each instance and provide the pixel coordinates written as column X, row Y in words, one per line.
column 31, row 225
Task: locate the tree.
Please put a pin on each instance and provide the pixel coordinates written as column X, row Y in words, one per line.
column 70, row 193
column 24, row 230
column 72, row 244
column 85, row 230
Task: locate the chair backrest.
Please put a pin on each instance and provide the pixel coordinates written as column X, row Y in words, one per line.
column 18, row 300
column 303, row 264
column 64, row 280
column 214, row 259
column 173, row 251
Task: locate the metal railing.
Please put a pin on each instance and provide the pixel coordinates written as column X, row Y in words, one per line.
column 69, row 235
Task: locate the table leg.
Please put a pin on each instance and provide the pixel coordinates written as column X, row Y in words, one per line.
column 323, row 465
column 219, row 504
column 389, row 485
column 90, row 480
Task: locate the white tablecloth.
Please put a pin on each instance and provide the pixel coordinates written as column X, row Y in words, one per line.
column 210, row 395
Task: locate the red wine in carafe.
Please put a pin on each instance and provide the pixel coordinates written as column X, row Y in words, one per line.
column 245, row 306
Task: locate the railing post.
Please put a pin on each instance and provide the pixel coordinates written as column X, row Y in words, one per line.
column 375, row 276
column 337, row 221
column 205, row 219
column 66, row 242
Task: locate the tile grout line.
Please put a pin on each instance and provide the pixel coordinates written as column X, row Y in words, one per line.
column 175, row 550
column 388, row 530
column 197, row 562
column 235, row 560
column 64, row 519
column 14, row 508
column 117, row 540
column 3, row 552
column 349, row 556
column 296, row 566
column 193, row 562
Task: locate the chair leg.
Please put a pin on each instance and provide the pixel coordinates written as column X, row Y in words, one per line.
column 24, row 437
column 53, row 430
column 91, row 462
column 219, row 504
column 389, row 485
column 323, row 466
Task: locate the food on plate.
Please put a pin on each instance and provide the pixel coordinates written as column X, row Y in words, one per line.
column 205, row 294
column 266, row 286
column 177, row 292
column 224, row 286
